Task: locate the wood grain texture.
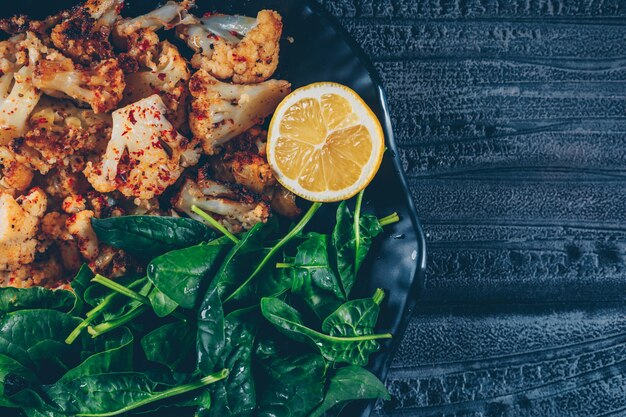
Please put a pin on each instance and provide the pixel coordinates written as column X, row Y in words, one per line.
column 510, row 116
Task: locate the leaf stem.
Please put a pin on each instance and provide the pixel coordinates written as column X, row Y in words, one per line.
column 119, row 288
column 108, row 326
column 378, row 296
column 391, row 219
column 179, row 390
column 214, row 223
column 357, row 228
column 283, row 265
column 292, row 233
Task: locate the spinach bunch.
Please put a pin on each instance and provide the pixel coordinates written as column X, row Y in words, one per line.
column 256, row 325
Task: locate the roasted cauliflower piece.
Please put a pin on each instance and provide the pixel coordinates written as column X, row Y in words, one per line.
column 244, row 162
column 145, row 154
column 235, row 47
column 79, row 226
column 167, row 16
column 167, row 76
column 233, row 207
column 221, row 111
column 19, row 225
column 59, row 130
column 83, row 33
column 18, row 95
column 15, row 177
column 100, row 86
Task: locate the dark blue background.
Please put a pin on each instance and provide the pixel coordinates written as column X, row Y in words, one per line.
column 510, row 116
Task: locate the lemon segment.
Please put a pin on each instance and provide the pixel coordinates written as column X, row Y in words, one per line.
column 324, row 142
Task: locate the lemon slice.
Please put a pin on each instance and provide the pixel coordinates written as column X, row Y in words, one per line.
column 324, row 143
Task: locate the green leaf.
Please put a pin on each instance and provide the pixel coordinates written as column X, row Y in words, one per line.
column 293, row 386
column 114, row 354
column 151, row 235
column 14, row 299
column 354, row 350
column 36, row 339
column 79, row 284
column 349, row 251
column 9, row 368
column 162, row 305
column 179, row 273
column 351, row 383
column 104, row 395
column 242, row 260
column 171, row 345
column 354, row 318
column 235, row 395
column 210, row 336
column 314, row 279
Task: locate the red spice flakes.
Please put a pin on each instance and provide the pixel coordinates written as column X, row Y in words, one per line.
column 161, row 76
column 239, row 58
column 131, row 116
column 234, row 33
column 42, row 120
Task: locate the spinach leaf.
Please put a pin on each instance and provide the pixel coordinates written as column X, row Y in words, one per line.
column 151, row 235
column 210, row 336
column 314, row 279
column 35, row 339
column 354, row 350
column 112, row 354
column 352, row 241
column 14, row 299
column 235, row 395
column 294, row 385
column 79, row 284
column 9, row 368
column 179, row 273
column 171, row 345
column 106, row 394
column 355, row 318
column 243, row 258
column 161, row 304
column 350, row 383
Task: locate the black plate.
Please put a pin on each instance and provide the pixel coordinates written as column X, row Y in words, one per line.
column 323, row 51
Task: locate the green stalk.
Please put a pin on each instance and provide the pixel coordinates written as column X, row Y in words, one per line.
column 292, row 233
column 119, row 288
column 391, row 219
column 357, row 227
column 378, row 296
column 108, row 326
column 283, row 265
column 172, row 392
column 214, row 223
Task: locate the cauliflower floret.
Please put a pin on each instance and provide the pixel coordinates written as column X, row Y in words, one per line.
column 45, row 273
column 15, row 176
column 17, row 104
column 167, row 16
column 101, row 86
column 19, row 223
column 60, row 130
column 145, row 154
column 235, row 47
column 79, row 226
column 167, row 76
column 221, row 111
column 83, row 33
column 232, row 207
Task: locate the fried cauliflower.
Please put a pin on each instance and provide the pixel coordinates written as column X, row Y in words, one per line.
column 220, row 111
column 145, row 154
column 233, row 207
column 99, row 86
column 83, row 33
column 236, row 48
column 18, row 95
column 19, row 226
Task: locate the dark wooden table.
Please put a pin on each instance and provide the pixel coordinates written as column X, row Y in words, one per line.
column 511, row 120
